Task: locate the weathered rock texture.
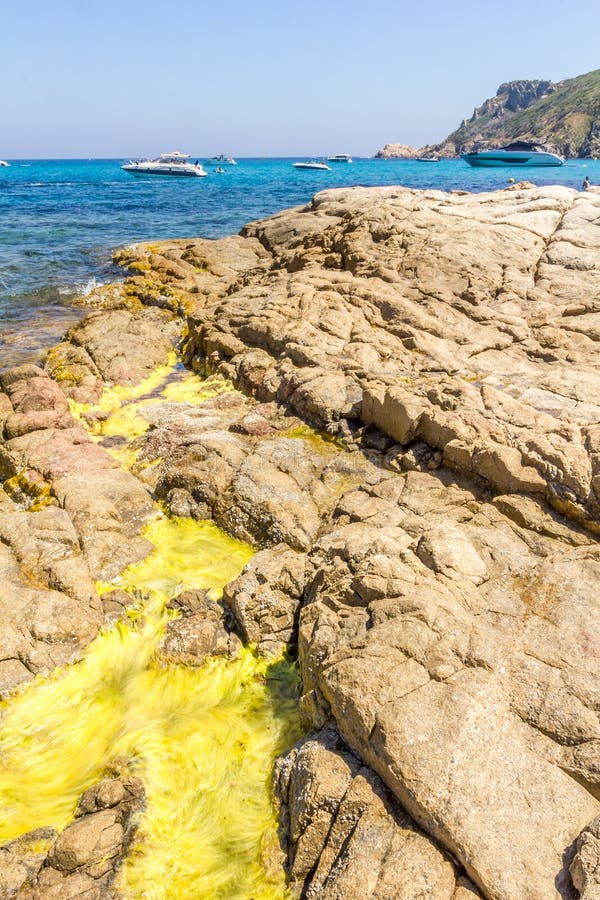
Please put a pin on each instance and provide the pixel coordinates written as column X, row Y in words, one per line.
column 585, row 868
column 202, row 629
column 446, row 593
column 68, row 516
column 467, row 322
column 438, row 565
column 564, row 116
column 83, row 860
column 347, row 836
column 397, row 151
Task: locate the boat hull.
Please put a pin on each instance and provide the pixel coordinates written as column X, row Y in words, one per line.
column 155, row 173
column 308, row 166
column 491, row 158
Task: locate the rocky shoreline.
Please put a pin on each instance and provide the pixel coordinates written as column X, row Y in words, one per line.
column 430, row 549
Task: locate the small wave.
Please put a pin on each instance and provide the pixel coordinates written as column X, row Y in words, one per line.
column 83, row 289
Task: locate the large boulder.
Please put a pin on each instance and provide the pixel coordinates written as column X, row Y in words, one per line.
column 453, row 649
column 347, row 837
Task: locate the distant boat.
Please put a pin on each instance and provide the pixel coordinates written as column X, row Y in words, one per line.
column 221, row 158
column 519, row 153
column 428, row 159
column 312, row 164
column 3, row 163
column 172, row 164
column 341, row 157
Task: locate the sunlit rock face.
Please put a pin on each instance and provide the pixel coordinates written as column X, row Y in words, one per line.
column 431, row 551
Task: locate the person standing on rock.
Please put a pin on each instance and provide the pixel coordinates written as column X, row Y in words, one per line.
column 586, row 183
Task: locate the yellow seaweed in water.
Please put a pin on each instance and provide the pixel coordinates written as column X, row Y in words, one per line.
column 123, row 406
column 195, row 390
column 203, row 740
column 188, row 555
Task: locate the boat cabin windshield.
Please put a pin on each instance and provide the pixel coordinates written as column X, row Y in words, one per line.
column 173, row 157
column 523, row 145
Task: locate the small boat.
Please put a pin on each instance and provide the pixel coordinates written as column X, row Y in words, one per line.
column 221, row 158
column 3, row 163
column 312, row 164
column 172, row 164
column 519, row 153
column 341, row 157
column 428, row 159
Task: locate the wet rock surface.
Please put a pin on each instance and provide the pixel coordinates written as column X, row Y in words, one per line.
column 437, row 567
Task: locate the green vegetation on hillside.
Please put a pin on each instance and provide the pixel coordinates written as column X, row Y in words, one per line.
column 567, row 119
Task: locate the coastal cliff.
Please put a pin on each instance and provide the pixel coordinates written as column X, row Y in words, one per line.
column 564, row 116
column 401, row 419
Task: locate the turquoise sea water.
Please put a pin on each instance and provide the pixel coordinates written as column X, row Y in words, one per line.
column 60, row 220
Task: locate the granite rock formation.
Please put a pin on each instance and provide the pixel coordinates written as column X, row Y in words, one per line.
column 397, row 151
column 432, row 552
column 565, row 117
column 84, row 859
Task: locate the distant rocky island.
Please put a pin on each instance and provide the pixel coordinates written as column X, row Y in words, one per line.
column 564, row 116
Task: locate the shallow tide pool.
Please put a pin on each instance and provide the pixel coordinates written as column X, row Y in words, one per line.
column 203, row 740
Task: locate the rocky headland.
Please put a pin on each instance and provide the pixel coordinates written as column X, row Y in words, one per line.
column 564, row 116
column 401, row 417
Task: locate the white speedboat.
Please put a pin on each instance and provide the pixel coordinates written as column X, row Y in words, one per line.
column 519, row 153
column 341, row 157
column 312, row 164
column 428, row 159
column 3, row 163
column 176, row 164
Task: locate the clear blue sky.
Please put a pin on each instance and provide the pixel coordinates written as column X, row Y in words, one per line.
column 96, row 78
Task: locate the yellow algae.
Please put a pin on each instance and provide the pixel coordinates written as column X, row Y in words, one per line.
column 320, row 441
column 115, row 396
column 121, row 408
column 195, row 390
column 188, row 555
column 202, row 740
column 33, row 493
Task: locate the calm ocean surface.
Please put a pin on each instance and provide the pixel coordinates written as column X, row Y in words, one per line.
column 60, row 220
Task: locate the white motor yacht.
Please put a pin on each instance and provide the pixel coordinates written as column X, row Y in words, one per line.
column 3, row 163
column 340, row 157
column 519, row 153
column 312, row 164
column 176, row 164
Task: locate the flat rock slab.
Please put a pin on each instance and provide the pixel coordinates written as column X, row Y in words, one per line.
column 467, row 321
column 456, row 652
